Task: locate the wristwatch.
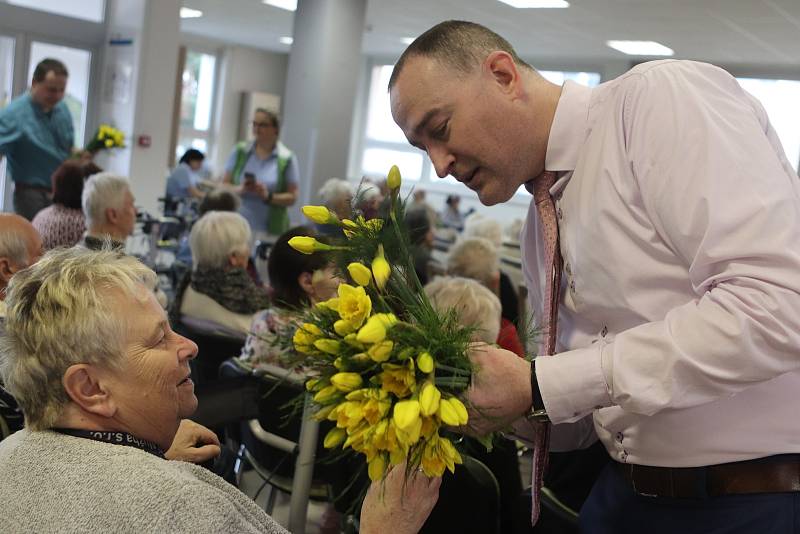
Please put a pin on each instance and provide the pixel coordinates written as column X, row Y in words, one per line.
column 537, row 411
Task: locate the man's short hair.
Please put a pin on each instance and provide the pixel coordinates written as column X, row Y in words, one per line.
column 276, row 120
column 100, row 192
column 475, row 304
column 49, row 65
column 457, row 44
column 63, row 310
column 215, row 236
column 13, row 245
column 219, row 199
column 476, row 258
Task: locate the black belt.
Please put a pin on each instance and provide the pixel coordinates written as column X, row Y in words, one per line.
column 773, row 474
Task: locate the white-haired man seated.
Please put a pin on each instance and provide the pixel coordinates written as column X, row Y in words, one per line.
column 104, row 384
column 477, row 258
column 108, row 206
column 218, row 295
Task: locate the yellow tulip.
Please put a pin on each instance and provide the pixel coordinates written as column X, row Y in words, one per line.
column 377, row 468
column 343, row 327
column 429, row 399
column 308, row 245
column 346, row 381
column 406, row 414
column 393, row 179
column 328, row 346
column 326, row 394
column 380, row 352
column 359, row 273
column 320, row 215
column 354, row 304
column 334, row 437
column 425, row 362
column 381, row 269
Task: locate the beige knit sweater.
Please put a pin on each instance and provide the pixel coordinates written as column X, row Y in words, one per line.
column 51, row 482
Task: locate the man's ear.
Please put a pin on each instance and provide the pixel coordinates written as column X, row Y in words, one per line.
column 111, row 216
column 6, row 271
column 83, row 384
column 500, row 66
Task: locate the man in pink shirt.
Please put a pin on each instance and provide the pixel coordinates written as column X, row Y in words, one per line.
column 679, row 306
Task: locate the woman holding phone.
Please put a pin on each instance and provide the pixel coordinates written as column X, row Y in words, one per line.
column 265, row 175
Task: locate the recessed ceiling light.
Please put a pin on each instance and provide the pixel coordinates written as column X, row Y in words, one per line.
column 542, row 4
column 289, row 5
column 641, row 48
column 286, row 40
column 407, row 40
column 189, row 13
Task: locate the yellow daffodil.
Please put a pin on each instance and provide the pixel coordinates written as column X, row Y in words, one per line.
column 323, row 412
column 320, row 215
column 334, row 437
column 373, row 225
column 376, row 409
column 305, row 336
column 326, row 394
column 377, row 468
column 331, row 304
column 343, row 327
column 397, row 379
column 354, row 305
column 359, row 273
column 461, row 410
column 312, row 384
column 328, row 346
column 308, row 245
column 346, row 381
column 340, row 363
column 425, row 362
column 429, row 399
column 381, row 269
column 349, row 415
column 451, row 413
column 351, row 340
column 393, row 179
column 109, row 143
column 411, row 435
column 406, row 413
column 375, row 329
column 380, row 352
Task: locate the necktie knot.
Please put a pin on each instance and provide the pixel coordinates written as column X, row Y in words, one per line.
column 542, row 185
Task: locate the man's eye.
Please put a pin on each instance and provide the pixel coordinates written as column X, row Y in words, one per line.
column 441, row 131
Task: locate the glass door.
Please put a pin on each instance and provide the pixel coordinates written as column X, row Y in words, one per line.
column 6, row 89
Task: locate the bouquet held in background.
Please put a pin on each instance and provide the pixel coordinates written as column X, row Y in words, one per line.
column 385, row 366
column 105, row 137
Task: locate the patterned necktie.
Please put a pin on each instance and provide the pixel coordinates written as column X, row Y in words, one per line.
column 552, row 260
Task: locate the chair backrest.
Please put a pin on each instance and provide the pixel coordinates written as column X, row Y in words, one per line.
column 213, row 349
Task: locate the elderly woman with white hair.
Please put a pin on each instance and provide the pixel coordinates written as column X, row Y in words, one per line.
column 477, row 258
column 477, row 225
column 336, row 195
column 104, row 384
column 218, row 294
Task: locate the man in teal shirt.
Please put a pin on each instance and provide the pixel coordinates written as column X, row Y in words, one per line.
column 36, row 136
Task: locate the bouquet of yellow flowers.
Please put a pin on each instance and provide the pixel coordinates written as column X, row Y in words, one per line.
column 105, row 137
column 387, row 368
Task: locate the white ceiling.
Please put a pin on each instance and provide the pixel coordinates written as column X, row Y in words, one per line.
column 727, row 32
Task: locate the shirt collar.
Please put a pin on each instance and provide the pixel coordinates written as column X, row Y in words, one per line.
column 568, row 130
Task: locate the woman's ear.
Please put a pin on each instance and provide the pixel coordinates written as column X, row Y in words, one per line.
column 84, row 387
column 305, row 283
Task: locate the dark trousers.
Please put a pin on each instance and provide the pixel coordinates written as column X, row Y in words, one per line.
column 614, row 508
column 28, row 202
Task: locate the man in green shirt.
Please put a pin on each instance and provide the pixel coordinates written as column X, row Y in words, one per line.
column 36, row 136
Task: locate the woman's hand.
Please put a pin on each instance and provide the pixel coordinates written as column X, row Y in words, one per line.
column 397, row 504
column 193, row 443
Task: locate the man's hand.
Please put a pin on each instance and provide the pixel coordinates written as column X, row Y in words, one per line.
column 398, row 505
column 501, row 389
column 193, row 443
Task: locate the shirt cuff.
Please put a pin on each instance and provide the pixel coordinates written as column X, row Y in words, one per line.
column 573, row 384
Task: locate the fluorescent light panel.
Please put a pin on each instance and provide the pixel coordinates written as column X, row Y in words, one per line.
column 286, row 40
column 533, row 4
column 641, row 48
column 288, row 5
column 189, row 13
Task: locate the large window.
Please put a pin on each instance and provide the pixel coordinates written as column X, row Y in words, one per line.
column 384, row 143
column 197, row 96
column 781, row 100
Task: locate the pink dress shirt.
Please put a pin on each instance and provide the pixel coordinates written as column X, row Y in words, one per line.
column 679, row 216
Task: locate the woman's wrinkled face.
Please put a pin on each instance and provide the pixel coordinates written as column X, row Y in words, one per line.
column 152, row 390
column 324, row 284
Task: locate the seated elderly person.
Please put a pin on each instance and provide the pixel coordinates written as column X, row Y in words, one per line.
column 420, row 233
column 62, row 224
column 109, row 210
column 298, row 281
column 337, row 196
column 218, row 295
column 477, row 258
column 477, row 225
column 104, row 401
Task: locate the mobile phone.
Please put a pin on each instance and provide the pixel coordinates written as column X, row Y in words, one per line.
column 249, row 179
